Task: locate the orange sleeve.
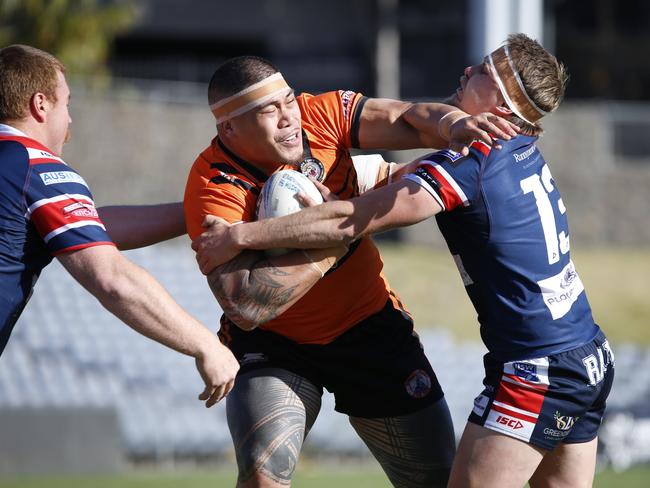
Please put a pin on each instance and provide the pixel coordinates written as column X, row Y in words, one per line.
column 205, row 197
column 335, row 115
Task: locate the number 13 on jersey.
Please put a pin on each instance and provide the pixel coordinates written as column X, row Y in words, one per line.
column 541, row 187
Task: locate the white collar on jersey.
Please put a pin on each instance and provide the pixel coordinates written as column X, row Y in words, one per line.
column 11, row 131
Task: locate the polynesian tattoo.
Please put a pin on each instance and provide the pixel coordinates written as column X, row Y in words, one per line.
column 270, row 411
column 414, row 450
column 254, row 291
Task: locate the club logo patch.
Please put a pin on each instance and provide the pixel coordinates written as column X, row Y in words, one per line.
column 418, row 384
column 312, row 167
column 526, row 371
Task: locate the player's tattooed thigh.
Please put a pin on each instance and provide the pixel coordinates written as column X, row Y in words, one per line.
column 414, row 450
column 269, row 416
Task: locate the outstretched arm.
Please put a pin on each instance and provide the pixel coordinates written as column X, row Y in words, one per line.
column 135, row 297
column 253, row 289
column 393, row 124
column 342, row 221
column 332, row 223
column 134, row 226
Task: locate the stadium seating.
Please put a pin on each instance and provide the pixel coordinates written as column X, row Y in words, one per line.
column 66, row 351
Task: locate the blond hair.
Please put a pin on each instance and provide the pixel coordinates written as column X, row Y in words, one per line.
column 25, row 71
column 543, row 76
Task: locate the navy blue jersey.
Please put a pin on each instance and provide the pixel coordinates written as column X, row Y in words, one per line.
column 46, row 208
column 506, row 227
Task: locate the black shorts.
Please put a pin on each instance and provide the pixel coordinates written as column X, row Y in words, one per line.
column 375, row 369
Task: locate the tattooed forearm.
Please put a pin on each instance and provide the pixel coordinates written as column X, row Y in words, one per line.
column 252, row 290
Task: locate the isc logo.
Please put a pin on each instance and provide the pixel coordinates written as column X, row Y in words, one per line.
column 512, row 423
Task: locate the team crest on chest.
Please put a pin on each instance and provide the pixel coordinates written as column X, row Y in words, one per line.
column 313, row 168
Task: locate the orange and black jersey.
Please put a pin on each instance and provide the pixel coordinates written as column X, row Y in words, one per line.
column 222, row 184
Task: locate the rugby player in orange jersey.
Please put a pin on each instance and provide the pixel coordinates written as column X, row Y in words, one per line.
column 296, row 323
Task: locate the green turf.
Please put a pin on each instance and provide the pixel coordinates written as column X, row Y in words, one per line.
column 306, row 478
column 313, row 477
column 615, row 279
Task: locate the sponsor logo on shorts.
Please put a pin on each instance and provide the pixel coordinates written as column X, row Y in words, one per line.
column 57, row 177
column 418, row 384
column 80, row 209
column 554, row 433
column 509, row 422
column 510, row 425
column 253, row 357
column 534, row 371
column 564, row 422
column 480, row 403
column 312, row 167
column 526, row 371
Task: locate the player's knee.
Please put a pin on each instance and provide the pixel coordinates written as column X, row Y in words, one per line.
column 268, row 466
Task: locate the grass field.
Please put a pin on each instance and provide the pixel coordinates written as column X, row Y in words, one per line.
column 616, row 281
column 316, row 477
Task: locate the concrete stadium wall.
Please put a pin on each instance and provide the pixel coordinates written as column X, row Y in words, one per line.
column 49, row 441
column 137, row 147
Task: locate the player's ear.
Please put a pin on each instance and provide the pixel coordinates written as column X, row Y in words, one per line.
column 38, row 106
column 225, row 128
column 503, row 110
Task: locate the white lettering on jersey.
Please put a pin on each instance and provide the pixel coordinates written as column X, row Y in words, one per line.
column 559, row 292
column 34, row 153
column 524, row 155
column 541, row 186
column 55, row 177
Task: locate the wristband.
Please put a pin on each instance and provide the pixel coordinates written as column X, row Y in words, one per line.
column 449, row 119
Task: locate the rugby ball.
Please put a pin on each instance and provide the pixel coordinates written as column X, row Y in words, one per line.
column 278, row 197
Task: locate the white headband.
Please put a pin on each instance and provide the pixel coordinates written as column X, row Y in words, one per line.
column 511, row 86
column 249, row 98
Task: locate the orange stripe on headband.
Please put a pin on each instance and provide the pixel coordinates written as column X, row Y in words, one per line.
column 512, row 88
column 248, row 98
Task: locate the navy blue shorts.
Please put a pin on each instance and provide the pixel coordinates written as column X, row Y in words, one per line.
column 548, row 400
column 376, row 369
